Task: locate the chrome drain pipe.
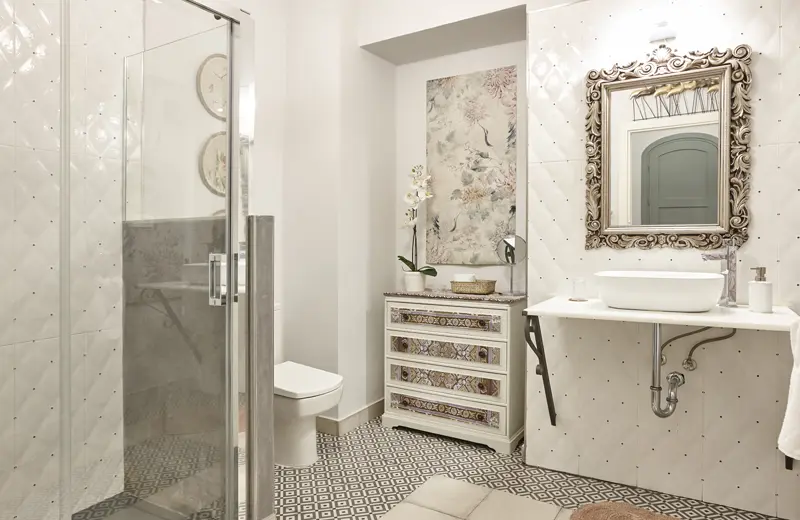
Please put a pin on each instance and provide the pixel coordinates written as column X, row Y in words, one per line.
column 674, row 380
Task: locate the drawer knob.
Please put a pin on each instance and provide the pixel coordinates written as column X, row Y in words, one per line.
column 403, row 345
column 481, row 417
column 482, row 323
column 404, row 374
column 481, row 387
column 482, row 354
column 404, row 402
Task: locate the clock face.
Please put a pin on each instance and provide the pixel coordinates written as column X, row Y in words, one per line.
column 212, row 85
column 214, row 164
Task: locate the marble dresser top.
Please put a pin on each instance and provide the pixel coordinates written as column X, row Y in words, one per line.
column 448, row 295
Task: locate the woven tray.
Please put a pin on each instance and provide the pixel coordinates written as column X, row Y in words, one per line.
column 476, row 287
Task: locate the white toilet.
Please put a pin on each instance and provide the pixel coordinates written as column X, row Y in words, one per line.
column 301, row 393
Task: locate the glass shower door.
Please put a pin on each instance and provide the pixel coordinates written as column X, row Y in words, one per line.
column 162, row 443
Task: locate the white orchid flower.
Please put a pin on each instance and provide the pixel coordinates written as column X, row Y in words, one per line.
column 421, row 182
column 412, row 199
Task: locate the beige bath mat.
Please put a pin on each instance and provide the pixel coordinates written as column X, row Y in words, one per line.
column 615, row 511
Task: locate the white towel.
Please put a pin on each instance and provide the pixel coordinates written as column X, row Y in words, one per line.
column 789, row 439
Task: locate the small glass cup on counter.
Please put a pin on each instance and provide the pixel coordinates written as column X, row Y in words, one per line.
column 579, row 293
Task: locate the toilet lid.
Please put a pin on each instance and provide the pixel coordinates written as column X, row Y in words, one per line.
column 297, row 381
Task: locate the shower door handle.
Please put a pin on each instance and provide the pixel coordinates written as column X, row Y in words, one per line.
column 216, row 290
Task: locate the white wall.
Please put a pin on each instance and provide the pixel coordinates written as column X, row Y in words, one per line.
column 721, row 444
column 366, row 219
column 266, row 179
column 385, row 19
column 337, row 200
column 311, row 185
column 411, row 116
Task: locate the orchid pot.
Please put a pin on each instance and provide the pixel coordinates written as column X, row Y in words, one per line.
column 414, row 281
column 414, row 277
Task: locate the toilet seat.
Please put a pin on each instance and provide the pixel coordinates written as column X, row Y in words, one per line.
column 296, row 381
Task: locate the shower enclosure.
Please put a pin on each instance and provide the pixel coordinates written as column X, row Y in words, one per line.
column 135, row 335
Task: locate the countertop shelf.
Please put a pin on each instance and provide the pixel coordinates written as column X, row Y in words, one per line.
column 780, row 319
column 448, row 295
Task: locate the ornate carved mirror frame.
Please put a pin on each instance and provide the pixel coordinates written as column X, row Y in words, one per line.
column 733, row 69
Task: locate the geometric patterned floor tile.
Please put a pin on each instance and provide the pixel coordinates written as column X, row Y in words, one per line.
column 364, row 474
column 153, row 466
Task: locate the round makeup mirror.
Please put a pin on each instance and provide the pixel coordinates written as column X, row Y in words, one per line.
column 512, row 250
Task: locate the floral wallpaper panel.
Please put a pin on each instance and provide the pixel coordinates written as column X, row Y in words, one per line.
column 472, row 160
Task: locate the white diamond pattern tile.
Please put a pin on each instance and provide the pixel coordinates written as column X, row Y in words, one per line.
column 681, row 454
column 9, row 283
column 97, row 244
column 6, row 408
column 104, row 72
column 35, row 228
column 8, row 49
column 723, row 24
column 36, row 388
column 789, row 225
column 554, row 447
column 762, row 247
column 78, row 96
column 741, row 423
column 39, row 483
column 78, row 424
column 37, row 80
column 607, row 452
column 104, row 421
column 790, row 71
column 670, row 451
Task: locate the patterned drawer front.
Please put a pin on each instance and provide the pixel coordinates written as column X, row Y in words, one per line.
column 447, row 380
column 449, row 350
column 467, row 321
column 475, row 416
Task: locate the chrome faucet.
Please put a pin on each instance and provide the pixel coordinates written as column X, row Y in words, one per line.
column 728, row 258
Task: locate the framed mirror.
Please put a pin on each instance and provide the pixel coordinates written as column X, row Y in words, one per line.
column 668, row 145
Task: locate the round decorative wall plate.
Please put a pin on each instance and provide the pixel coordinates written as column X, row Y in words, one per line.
column 214, row 164
column 212, row 85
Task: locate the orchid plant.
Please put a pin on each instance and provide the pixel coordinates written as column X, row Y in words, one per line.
column 419, row 194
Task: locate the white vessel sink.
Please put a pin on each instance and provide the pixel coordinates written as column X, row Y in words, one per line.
column 660, row 290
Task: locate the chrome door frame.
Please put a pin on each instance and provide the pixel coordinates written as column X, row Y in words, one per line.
column 241, row 32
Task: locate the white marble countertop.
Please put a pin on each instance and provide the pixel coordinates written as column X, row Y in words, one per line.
column 781, row 318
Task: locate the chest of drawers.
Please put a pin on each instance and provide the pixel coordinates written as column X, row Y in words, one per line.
column 456, row 367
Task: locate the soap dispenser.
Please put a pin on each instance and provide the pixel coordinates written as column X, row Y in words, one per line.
column 760, row 292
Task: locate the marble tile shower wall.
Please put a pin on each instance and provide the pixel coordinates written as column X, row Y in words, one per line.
column 721, row 445
column 102, row 33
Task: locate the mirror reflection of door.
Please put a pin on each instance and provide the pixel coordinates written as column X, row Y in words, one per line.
column 679, row 180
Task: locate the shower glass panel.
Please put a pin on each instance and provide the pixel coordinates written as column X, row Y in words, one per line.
column 152, row 420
